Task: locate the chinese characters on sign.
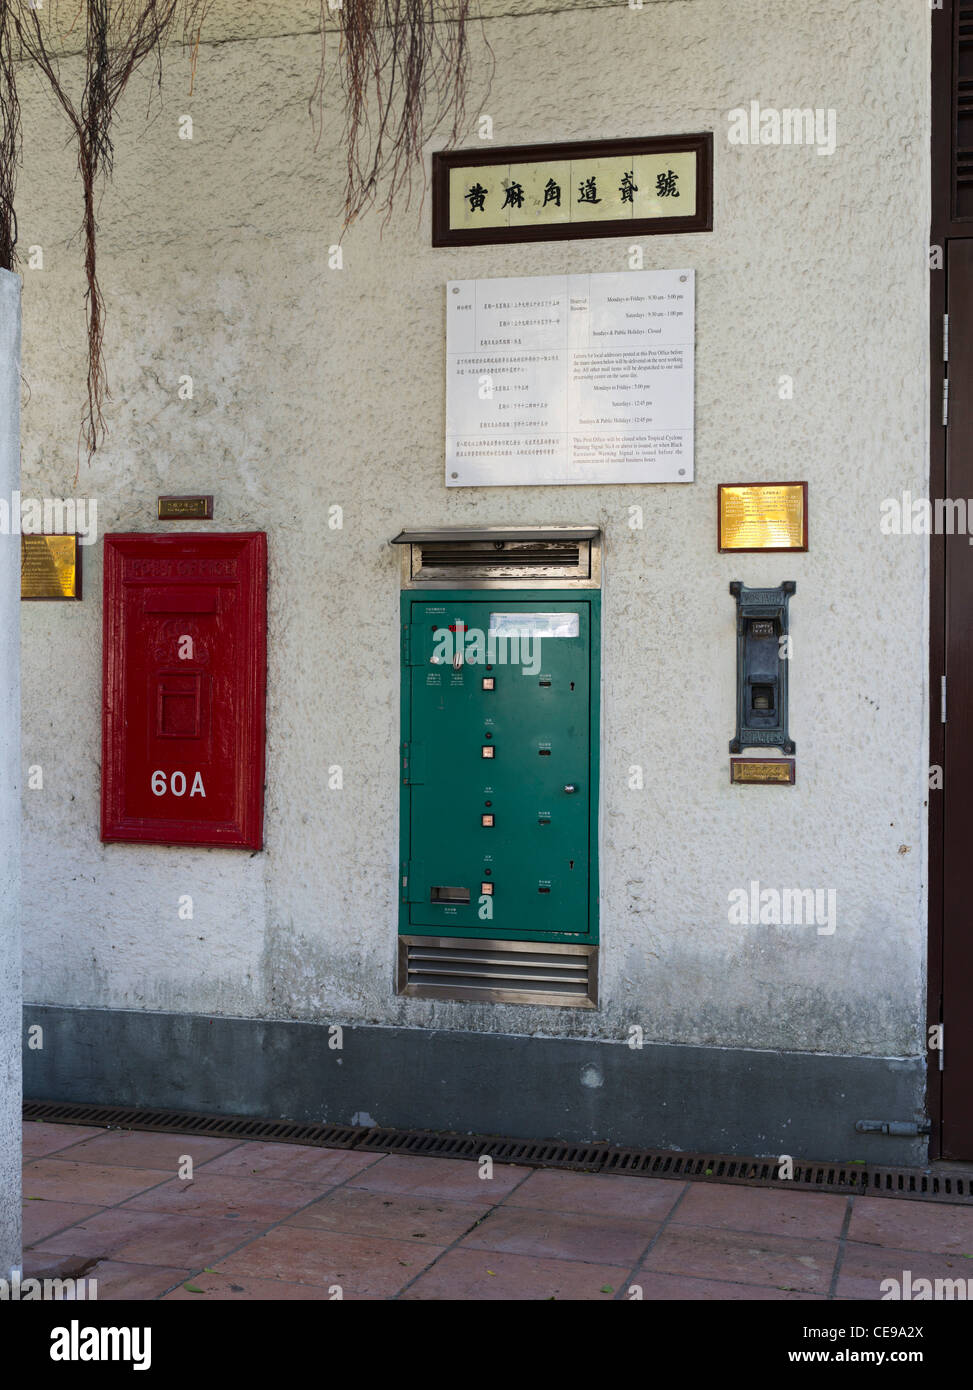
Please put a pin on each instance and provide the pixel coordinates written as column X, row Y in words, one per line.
column 666, row 186
column 570, row 379
column 762, row 516
column 186, row 508
column 544, row 192
column 763, row 771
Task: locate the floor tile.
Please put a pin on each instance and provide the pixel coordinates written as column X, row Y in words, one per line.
column 906, row 1225
column 294, row 1162
column 667, row 1288
column 41, row 1138
column 780, row 1262
column 140, row 1237
column 113, row 1280
column 48, row 1264
column 563, row 1235
column 482, row 1276
column 864, row 1268
column 243, row 1288
column 134, row 1148
column 217, row 1194
column 458, row 1179
column 105, row 1204
column 391, row 1215
column 726, row 1207
column 61, row 1179
column 362, row 1266
column 550, row 1190
column 42, row 1218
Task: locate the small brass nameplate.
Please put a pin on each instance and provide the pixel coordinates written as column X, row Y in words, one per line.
column 186, row 508
column 762, row 516
column 762, row 770
column 50, row 567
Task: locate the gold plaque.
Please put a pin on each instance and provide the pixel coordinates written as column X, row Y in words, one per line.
column 186, row 508
column 50, row 567
column 762, row 516
column 762, row 770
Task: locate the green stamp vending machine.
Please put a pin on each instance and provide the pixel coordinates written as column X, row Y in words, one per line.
column 499, row 765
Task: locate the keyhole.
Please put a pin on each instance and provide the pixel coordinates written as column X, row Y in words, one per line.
column 572, row 685
column 570, row 863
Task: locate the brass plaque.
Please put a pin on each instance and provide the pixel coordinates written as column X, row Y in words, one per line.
column 186, row 508
column 762, row 516
column 50, row 567
column 762, row 770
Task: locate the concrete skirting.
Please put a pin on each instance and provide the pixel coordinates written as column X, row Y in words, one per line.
column 726, row 1100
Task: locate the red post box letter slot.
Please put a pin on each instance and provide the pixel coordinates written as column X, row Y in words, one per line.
column 185, row 673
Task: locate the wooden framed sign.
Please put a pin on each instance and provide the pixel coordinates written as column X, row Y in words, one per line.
column 662, row 183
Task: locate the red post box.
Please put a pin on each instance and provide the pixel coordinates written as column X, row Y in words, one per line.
column 185, row 673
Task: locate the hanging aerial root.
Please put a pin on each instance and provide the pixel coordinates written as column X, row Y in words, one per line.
column 405, row 68
column 120, row 35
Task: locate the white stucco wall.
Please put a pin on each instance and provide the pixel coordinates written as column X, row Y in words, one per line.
column 314, row 386
column 10, row 930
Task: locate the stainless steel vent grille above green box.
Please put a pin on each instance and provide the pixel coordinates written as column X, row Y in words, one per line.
column 499, row 751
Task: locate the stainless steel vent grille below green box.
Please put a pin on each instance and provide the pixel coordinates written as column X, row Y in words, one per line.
column 500, row 972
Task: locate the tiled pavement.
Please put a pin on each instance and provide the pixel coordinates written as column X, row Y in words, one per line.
column 278, row 1221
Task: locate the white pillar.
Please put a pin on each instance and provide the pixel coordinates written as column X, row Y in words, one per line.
column 10, row 959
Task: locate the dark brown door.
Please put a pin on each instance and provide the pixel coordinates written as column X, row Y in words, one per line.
column 956, row 1059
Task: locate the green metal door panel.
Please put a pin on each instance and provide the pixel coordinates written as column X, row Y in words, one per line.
column 519, row 752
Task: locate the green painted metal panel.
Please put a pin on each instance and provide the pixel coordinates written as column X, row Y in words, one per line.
column 524, row 752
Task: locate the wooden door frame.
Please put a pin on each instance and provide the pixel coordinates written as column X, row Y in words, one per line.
column 941, row 143
column 944, row 227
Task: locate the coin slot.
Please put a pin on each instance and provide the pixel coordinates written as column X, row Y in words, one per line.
column 544, row 683
column 542, row 889
column 544, row 752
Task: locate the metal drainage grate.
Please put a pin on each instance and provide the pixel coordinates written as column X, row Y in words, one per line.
column 868, row 1179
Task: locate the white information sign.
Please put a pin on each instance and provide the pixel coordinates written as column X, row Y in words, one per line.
column 570, row 379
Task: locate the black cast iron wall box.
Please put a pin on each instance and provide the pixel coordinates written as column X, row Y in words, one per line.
column 763, row 661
